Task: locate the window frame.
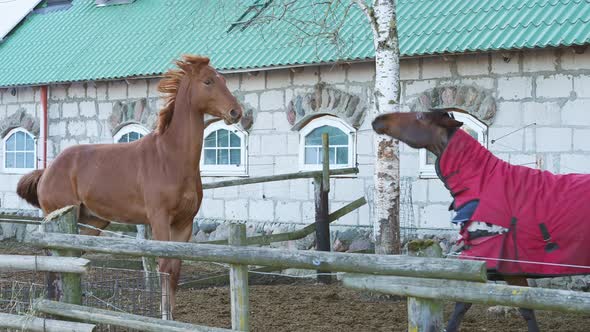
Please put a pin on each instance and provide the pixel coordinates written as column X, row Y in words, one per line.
column 14, row 170
column 331, row 121
column 428, row 171
column 129, row 128
column 226, row 170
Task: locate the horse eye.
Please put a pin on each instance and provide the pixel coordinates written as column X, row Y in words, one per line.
column 208, row 82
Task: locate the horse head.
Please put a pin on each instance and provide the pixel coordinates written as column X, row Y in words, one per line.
column 429, row 130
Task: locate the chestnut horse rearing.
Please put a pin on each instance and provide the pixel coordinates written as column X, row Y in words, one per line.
column 155, row 180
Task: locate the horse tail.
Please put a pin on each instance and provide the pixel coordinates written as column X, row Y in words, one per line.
column 27, row 187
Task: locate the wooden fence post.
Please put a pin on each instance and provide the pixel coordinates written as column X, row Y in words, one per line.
column 425, row 315
column 65, row 287
column 322, row 189
column 238, row 281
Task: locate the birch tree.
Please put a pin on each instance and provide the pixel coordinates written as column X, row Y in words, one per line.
column 381, row 15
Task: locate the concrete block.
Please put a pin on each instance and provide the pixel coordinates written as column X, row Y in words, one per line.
column 117, row 90
column 261, row 210
column 364, row 142
column 12, row 109
column 437, row 191
column 99, row 91
column 76, row 128
column 554, row 86
column 409, row 164
column 539, row 60
column 293, row 143
column 57, row 128
column 419, row 190
column 574, row 163
column 306, row 76
column 260, row 165
column 513, row 142
column 236, row 209
column 362, row 72
column 253, row 81
column 409, row 69
column 280, row 78
column 573, row 61
column 137, row 89
column 473, row 64
column 286, row 164
column 288, row 211
column 582, row 86
column 213, row 208
column 26, row 95
column 482, row 82
column 530, row 143
column 332, row 74
column 77, row 90
column 254, row 145
column 436, row 216
column 87, row 109
column 280, row 122
column 56, row 92
column 104, row 110
column 278, row 190
column 225, row 192
column 512, row 88
column 576, row 112
column 54, row 111
column 348, row 190
column 416, row 87
column 92, row 129
column 350, row 219
column 9, row 98
column 509, row 114
column 528, row 160
column 274, row 144
column 232, row 81
column 500, row 66
column 581, row 139
column 272, row 100
column 435, row 67
column 308, row 212
column 299, row 189
column 251, row 99
column 70, row 110
column 365, row 215
column 11, row 201
column 554, row 139
column 543, row 114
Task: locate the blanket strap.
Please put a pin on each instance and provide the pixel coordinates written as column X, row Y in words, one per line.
column 550, row 246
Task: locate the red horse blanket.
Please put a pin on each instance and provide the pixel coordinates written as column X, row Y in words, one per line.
column 547, row 216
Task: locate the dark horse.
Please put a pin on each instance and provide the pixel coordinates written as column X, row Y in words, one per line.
column 154, row 180
column 524, row 222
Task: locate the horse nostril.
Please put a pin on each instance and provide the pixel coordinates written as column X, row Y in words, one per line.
column 377, row 126
column 235, row 114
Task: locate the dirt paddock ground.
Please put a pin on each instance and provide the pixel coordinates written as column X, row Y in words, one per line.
column 281, row 304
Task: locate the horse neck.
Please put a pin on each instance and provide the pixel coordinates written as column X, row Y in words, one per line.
column 183, row 138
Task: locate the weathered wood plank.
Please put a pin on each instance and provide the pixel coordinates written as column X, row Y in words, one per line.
column 43, row 263
column 473, row 292
column 101, row 316
column 300, row 233
column 238, row 283
column 455, row 269
column 34, row 324
column 17, row 217
column 280, row 177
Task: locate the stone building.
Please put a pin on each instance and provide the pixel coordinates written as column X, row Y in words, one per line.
column 93, row 71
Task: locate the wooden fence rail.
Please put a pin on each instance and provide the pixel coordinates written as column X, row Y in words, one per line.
column 43, row 263
column 34, row 324
column 331, row 261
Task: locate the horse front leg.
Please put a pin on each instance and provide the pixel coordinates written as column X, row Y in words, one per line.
column 460, row 309
column 527, row 314
column 161, row 232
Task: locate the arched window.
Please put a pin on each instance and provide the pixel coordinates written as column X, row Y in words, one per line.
column 341, row 140
column 129, row 133
column 473, row 126
column 224, row 151
column 20, row 152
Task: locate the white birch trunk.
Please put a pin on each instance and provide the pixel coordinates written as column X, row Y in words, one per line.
column 385, row 216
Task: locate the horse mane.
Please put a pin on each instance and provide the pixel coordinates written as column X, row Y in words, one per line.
column 169, row 84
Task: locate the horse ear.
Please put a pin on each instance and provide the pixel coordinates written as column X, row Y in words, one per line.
column 443, row 119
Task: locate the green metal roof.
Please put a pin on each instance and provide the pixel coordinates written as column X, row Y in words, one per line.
column 141, row 39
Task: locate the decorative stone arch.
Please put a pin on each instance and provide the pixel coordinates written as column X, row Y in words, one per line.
column 20, row 119
column 472, row 99
column 246, row 122
column 322, row 101
column 129, row 112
